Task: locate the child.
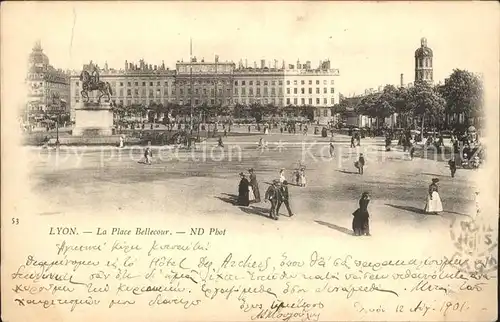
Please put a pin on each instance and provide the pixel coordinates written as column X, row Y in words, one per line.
column 453, row 166
column 360, row 163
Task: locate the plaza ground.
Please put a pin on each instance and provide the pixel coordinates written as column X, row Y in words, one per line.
column 202, row 184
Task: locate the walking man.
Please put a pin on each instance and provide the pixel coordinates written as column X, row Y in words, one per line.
column 285, row 199
column 274, row 196
column 453, row 166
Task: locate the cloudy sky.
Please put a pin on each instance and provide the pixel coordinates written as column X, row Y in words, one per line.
column 371, row 43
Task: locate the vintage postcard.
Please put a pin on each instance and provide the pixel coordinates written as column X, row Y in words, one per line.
column 249, row 161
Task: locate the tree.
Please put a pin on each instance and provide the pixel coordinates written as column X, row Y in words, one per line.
column 256, row 111
column 463, row 92
column 425, row 102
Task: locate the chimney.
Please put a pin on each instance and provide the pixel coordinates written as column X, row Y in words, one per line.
column 262, row 63
column 255, row 64
column 275, row 64
column 126, row 65
column 216, row 58
column 246, row 63
column 401, row 81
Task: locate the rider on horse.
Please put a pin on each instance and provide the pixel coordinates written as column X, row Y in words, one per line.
column 95, row 75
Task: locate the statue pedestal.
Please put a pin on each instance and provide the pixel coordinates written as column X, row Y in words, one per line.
column 93, row 119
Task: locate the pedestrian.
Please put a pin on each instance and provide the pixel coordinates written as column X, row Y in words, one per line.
column 285, row 199
column 249, row 129
column 220, row 143
column 453, row 166
column 352, row 142
column 360, row 163
column 360, row 222
column 254, row 184
column 225, row 133
column 148, row 154
column 332, row 149
column 412, row 148
column 243, row 192
column 121, row 141
column 388, row 142
column 302, row 176
column 282, row 176
column 433, row 204
column 273, row 195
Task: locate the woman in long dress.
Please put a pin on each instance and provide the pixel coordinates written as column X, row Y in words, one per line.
column 360, row 222
column 302, row 175
column 282, row 175
column 243, row 192
column 255, row 185
column 434, row 204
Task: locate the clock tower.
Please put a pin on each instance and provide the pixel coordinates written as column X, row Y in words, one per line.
column 423, row 63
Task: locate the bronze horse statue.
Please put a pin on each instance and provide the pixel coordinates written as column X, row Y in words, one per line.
column 90, row 84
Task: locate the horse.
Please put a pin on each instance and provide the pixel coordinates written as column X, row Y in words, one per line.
column 88, row 86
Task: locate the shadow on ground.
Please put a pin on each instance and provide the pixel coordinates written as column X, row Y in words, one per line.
column 335, row 227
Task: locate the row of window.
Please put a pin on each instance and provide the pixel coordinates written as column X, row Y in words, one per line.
column 266, row 91
column 303, row 90
column 295, row 82
column 310, row 101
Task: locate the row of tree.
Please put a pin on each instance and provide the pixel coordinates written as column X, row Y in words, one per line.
column 461, row 94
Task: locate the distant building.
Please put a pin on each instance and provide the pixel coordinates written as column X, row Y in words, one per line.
column 48, row 87
column 135, row 84
column 220, row 83
column 423, row 63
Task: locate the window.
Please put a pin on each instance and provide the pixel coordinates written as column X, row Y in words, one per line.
column 303, row 101
column 129, row 92
column 243, row 83
column 288, row 90
column 136, row 92
column 288, row 82
column 121, row 102
column 181, row 91
column 196, row 91
column 204, row 91
column 280, row 91
column 325, row 101
column 273, row 83
column 189, row 90
column 77, row 83
column 332, row 90
column 324, row 82
column 121, row 91
column 325, row 112
column 273, row 91
column 295, row 101
column 281, row 101
column 166, row 84
column 310, row 90
column 325, row 90
column 235, row 91
column 251, row 83
column 157, row 83
column 317, row 82
column 220, row 91
column 250, row 91
column 295, row 90
column 137, row 83
column 302, row 90
column 265, row 91
column 265, row 83
column 317, row 101
column 196, row 102
column 212, row 91
column 295, row 82
column 302, row 82
column 310, row 101
column 266, row 101
column 332, row 82
column 150, row 93
column 128, row 84
column 280, row 82
column 150, row 83
column 235, row 83
column 287, row 101
column 212, row 101
column 228, row 91
column 333, row 101
column 243, row 91
column 143, row 92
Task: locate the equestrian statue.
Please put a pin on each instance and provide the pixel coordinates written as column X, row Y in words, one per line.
column 92, row 83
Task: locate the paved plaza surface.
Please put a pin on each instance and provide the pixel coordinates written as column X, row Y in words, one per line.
column 202, row 183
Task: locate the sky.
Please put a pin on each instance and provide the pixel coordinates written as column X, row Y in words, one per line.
column 370, row 43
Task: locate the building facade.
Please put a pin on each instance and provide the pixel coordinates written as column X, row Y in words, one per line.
column 196, row 83
column 141, row 83
column 48, row 87
column 423, row 63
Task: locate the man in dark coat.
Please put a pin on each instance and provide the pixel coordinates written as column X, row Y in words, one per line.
column 453, row 166
column 285, row 199
column 274, row 196
column 243, row 193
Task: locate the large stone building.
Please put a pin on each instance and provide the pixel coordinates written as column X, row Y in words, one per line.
column 48, row 88
column 195, row 83
column 423, row 63
column 135, row 84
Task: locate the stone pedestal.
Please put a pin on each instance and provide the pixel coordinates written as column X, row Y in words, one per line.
column 93, row 119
